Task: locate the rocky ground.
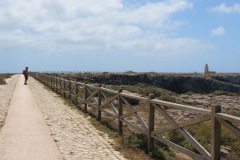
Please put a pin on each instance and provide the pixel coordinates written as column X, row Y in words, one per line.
column 76, row 138
column 6, row 92
column 206, row 101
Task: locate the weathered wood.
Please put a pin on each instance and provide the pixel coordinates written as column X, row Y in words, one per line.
column 120, row 109
column 92, row 95
column 91, row 86
column 134, row 97
column 134, row 126
column 234, row 129
column 80, row 90
column 183, row 124
column 56, row 84
column 109, row 101
column 72, row 88
column 85, row 98
column 185, row 134
column 191, row 154
column 108, row 90
column 215, row 134
column 182, row 107
column 69, row 90
column 132, row 112
column 135, row 114
column 228, row 117
column 111, row 105
column 90, row 92
column 99, row 113
column 75, row 95
column 64, row 93
column 109, row 113
column 150, row 123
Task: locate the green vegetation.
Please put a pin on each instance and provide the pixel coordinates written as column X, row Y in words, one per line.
column 219, row 93
column 234, row 113
column 138, row 142
column 3, row 77
column 145, row 90
column 202, row 133
column 190, row 93
column 134, row 145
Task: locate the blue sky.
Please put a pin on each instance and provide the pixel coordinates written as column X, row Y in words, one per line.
column 120, row 35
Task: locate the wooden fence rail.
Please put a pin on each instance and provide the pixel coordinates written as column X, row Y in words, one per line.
column 104, row 101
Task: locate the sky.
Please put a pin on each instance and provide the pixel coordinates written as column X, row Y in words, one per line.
column 179, row 36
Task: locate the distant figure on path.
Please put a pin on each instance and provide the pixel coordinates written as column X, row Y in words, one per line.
column 25, row 73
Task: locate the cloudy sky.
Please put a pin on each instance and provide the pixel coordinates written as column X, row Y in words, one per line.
column 120, row 35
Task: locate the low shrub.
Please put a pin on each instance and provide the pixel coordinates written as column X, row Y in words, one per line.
column 219, row 93
column 233, row 156
column 190, row 93
column 145, row 90
column 202, row 133
column 168, row 98
column 3, row 77
column 234, row 113
column 139, row 141
column 135, row 140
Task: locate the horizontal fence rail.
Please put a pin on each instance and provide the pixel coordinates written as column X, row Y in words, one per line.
column 114, row 104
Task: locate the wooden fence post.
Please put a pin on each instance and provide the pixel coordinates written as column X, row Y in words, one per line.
column 64, row 86
column 44, row 80
column 215, row 134
column 85, row 97
column 69, row 89
column 99, row 114
column 56, row 83
column 75, row 93
column 47, row 80
column 150, row 123
column 50, row 81
column 120, row 105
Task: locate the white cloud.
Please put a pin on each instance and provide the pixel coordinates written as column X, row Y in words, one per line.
column 92, row 25
column 225, row 9
column 218, row 31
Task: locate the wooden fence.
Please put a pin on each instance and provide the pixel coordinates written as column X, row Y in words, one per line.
column 104, row 101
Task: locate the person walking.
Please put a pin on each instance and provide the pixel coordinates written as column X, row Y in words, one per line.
column 25, row 73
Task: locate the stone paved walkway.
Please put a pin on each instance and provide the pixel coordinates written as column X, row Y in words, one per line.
column 61, row 131
column 25, row 135
column 74, row 135
column 6, row 92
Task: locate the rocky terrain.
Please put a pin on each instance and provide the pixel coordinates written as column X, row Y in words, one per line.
column 228, row 103
column 179, row 83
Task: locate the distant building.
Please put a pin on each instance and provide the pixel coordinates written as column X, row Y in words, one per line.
column 206, row 71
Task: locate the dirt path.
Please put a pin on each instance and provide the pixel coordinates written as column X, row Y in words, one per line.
column 25, row 135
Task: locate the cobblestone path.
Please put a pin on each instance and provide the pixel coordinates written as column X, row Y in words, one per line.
column 74, row 135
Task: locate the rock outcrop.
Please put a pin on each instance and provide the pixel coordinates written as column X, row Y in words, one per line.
column 197, row 83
